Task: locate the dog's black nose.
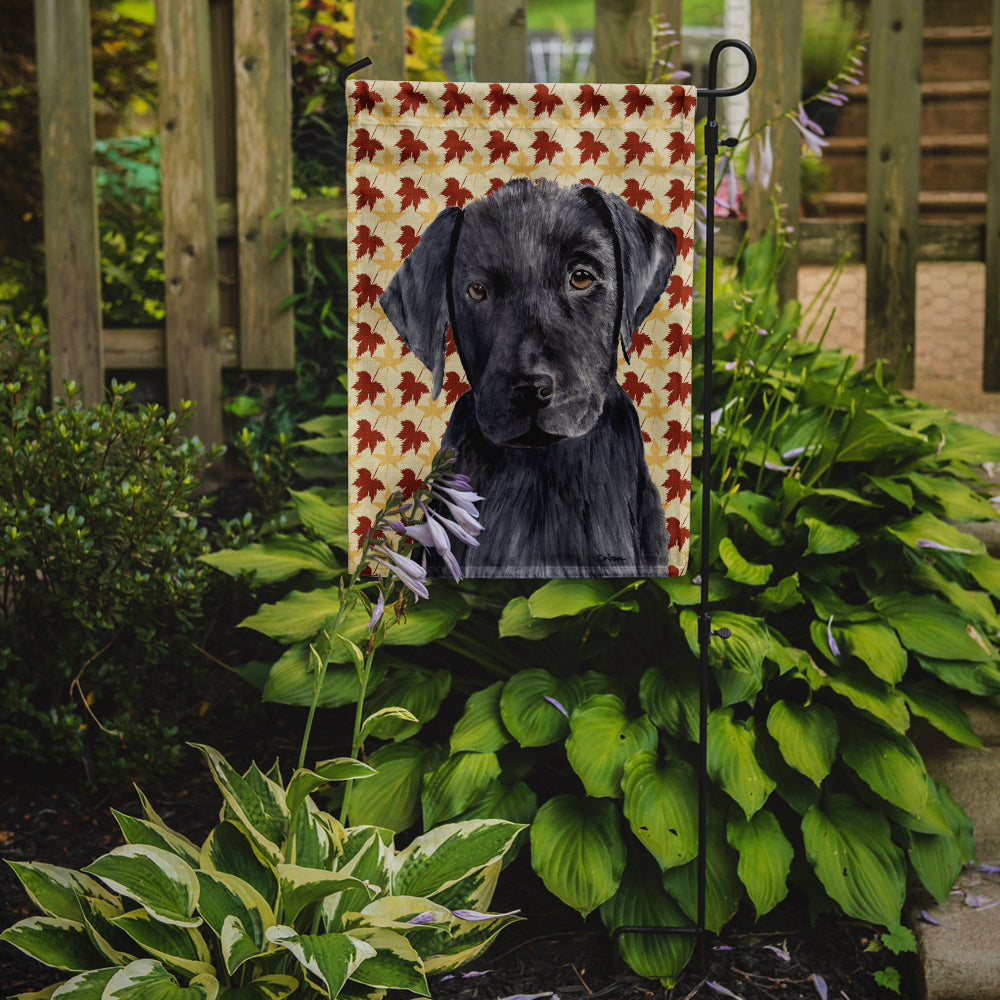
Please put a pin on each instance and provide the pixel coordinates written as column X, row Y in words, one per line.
column 532, row 392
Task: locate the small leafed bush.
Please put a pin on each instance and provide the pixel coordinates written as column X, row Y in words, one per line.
column 280, row 899
column 99, row 575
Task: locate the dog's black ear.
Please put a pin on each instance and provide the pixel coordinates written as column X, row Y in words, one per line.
column 416, row 300
column 647, row 252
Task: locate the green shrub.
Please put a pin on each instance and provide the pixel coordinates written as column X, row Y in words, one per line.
column 99, row 541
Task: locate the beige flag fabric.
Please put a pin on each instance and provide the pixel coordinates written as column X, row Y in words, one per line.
column 520, row 282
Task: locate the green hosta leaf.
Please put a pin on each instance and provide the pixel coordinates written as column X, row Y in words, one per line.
column 661, row 799
column 330, row 959
column 975, row 605
column 760, row 512
column 327, row 520
column 395, row 964
column 230, row 849
column 893, row 488
column 147, row 979
column 141, row 831
column 738, row 569
column 391, row 798
column 292, row 680
column 559, row 598
column 928, row 528
column 438, row 859
column 965, row 443
column 225, row 897
column 671, row 699
column 516, row 803
column 976, row 678
column 456, row 784
column 850, row 848
column 56, row 891
column 530, row 706
column 732, row 760
column 869, row 436
column 941, row 709
column 738, row 661
column 931, row 628
column 304, row 782
column 279, row 558
column 418, row 691
column 783, row 595
column 386, row 723
column 641, row 901
column 517, row 620
column 937, row 859
column 807, row 736
column 481, row 728
column 602, row 738
column 164, row 885
column 578, row 851
column 275, row 987
column 864, row 692
column 876, row 646
column 888, row 763
column 180, row 948
column 54, row 941
column 827, row 539
column 301, row 887
column 986, row 572
column 765, row 858
column 957, row 501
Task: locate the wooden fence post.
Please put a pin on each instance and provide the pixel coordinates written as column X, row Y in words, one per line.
column 622, row 40
column 262, row 60
column 380, row 34
column 190, row 251
column 893, row 183
column 776, row 35
column 991, row 332
column 501, row 41
column 72, row 255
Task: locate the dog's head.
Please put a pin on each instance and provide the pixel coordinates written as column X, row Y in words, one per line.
column 540, row 284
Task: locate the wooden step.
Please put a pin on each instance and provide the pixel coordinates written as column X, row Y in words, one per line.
column 957, row 206
column 940, row 13
column 956, row 53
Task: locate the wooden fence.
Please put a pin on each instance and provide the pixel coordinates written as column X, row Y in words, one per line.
column 226, row 161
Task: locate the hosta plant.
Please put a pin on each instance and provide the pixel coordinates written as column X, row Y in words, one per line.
column 279, row 900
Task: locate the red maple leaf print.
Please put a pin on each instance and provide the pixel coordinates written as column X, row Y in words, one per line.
column 678, row 389
column 680, row 195
column 685, row 244
column 590, row 101
column 646, row 439
column 410, row 194
column 454, row 193
column 635, row 147
column 634, row 194
column 367, row 242
column 407, row 240
column 676, row 485
column 366, row 145
column 454, row 100
column 678, row 339
column 636, row 102
column 367, row 339
column 682, row 101
column 499, row 146
column 499, row 100
column 591, row 147
column 366, row 193
column 367, row 389
column 411, row 146
column 678, row 534
column 545, row 147
column 679, row 148
column 411, row 388
column 454, row 386
column 679, row 291
column 362, row 528
column 367, row 487
column 678, row 437
column 365, row 98
column 367, row 436
column 449, row 342
column 409, row 98
column 455, row 146
column 412, row 437
column 409, row 483
column 366, row 290
column 495, row 185
column 545, row 100
column 640, row 341
column 636, row 389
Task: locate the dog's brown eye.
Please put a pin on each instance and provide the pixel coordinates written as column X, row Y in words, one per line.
column 476, row 292
column 581, row 279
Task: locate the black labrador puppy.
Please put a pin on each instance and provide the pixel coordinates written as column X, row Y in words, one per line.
column 540, row 284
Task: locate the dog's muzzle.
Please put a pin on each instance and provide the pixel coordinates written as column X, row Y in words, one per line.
column 532, row 392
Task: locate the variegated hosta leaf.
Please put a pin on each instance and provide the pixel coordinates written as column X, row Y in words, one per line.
column 765, row 858
column 225, row 897
column 441, row 857
column 54, row 941
column 732, row 760
column 315, row 839
column 177, row 947
column 238, row 944
column 602, row 737
column 229, row 848
column 456, row 784
column 807, row 736
column 481, row 727
column 367, row 853
column 87, row 986
column 468, row 939
column 395, row 964
column 578, row 851
column 141, row 831
column 661, row 805
column 116, row 946
column 300, row 887
column 850, row 847
column 304, row 782
column 329, row 959
column 147, row 979
column 158, row 880
column 275, row 987
column 476, row 890
column 56, row 891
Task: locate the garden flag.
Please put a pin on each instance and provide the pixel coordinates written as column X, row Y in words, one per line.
column 520, row 279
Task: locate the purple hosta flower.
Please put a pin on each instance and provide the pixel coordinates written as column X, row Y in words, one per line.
column 760, row 165
column 831, row 642
column 927, row 543
column 432, row 535
column 411, row 574
column 451, row 526
column 558, row 705
column 377, row 611
column 427, row 917
column 812, row 134
column 475, row 915
column 728, row 194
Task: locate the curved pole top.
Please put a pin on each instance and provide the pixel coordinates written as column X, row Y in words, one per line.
column 713, row 69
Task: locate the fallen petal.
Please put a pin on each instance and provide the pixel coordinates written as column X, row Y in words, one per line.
column 719, row 988
column 558, row 705
column 476, row 915
column 780, row 952
column 820, row 983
